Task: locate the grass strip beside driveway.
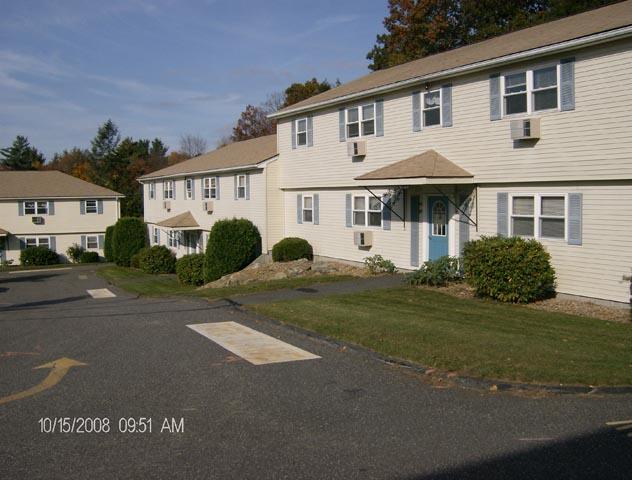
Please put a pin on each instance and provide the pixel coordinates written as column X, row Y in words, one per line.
column 473, row 337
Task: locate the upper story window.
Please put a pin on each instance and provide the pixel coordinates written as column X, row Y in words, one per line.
column 241, row 186
column 361, row 121
column 188, row 183
column 432, row 108
column 91, row 206
column 152, row 190
column 367, row 211
column 35, row 208
column 530, row 91
column 541, row 216
column 210, row 187
column 308, row 209
column 168, row 189
column 301, row 132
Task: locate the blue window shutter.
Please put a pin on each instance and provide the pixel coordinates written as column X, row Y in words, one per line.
column 386, row 212
column 316, row 206
column 101, row 241
column 193, row 189
column 52, row 243
column 216, row 188
column 502, row 214
column 82, row 207
column 341, row 125
column 293, row 134
column 567, row 84
column 464, row 223
column 575, row 218
column 414, row 230
column 379, row 118
column 416, row 111
column 235, row 192
column 51, row 207
column 310, row 131
column 163, row 189
column 348, row 211
column 21, row 209
column 22, row 242
column 174, row 183
column 247, row 186
column 299, row 208
column 83, row 241
column 202, row 188
column 446, row 105
column 100, row 207
column 158, row 235
column 495, row 104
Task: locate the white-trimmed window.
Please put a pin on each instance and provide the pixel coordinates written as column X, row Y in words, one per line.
column 155, row 236
column 35, row 208
column 361, row 121
column 538, row 216
column 241, row 186
column 523, row 216
column 92, row 242
column 37, row 241
column 210, row 187
column 188, row 188
column 552, row 216
column 367, row 211
column 168, row 189
column 531, row 90
column 301, row 132
column 432, row 108
column 152, row 190
column 308, row 209
column 172, row 238
column 91, row 206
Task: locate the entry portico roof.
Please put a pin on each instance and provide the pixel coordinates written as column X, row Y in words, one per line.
column 184, row 221
column 427, row 167
column 3, row 233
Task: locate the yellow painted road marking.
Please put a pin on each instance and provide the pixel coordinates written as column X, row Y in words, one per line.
column 59, row 369
column 251, row 345
column 41, row 270
column 101, row 293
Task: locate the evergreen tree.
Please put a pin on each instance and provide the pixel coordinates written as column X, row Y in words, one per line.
column 21, row 156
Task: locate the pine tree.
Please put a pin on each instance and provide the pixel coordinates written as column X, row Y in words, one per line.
column 21, row 156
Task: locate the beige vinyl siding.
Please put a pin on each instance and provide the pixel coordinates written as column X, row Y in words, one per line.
column 274, row 196
column 62, row 242
column 592, row 142
column 597, row 267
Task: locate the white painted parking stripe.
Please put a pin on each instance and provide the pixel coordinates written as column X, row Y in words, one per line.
column 37, row 270
column 101, row 293
column 251, row 345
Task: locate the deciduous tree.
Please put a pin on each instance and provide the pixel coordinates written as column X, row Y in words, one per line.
column 192, row 145
column 253, row 123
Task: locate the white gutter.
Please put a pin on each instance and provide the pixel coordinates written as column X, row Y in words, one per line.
column 470, row 68
column 203, row 172
column 48, row 197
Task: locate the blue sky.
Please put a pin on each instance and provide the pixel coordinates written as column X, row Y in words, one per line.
column 163, row 68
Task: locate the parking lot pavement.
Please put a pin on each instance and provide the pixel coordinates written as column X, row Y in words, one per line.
column 215, row 414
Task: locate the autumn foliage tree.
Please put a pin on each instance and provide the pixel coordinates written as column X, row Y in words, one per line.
column 253, row 122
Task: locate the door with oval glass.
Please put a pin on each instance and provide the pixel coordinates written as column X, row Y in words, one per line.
column 437, row 227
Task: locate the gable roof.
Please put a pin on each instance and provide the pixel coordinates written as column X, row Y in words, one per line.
column 48, row 184
column 184, row 220
column 574, row 27
column 235, row 155
column 428, row 164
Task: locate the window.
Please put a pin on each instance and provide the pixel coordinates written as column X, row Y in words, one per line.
column 516, row 93
column 172, row 239
column 210, row 187
column 91, row 206
column 189, row 188
column 522, row 216
column 37, row 242
column 92, row 242
column 301, row 132
column 552, row 221
column 545, row 88
column 241, row 186
column 361, row 119
column 439, row 219
column 155, row 236
column 308, row 209
column 152, row 190
column 542, row 216
column 531, row 90
column 432, row 108
column 367, row 210
column 35, row 208
column 168, row 189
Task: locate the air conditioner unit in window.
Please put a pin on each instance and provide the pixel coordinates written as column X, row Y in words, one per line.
column 356, row 149
column 363, row 239
column 207, row 207
column 166, row 205
column 38, row 220
column 525, row 129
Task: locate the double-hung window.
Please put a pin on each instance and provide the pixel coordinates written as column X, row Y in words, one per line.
column 172, row 238
column 301, row 132
column 152, row 190
column 91, row 206
column 523, row 216
column 308, row 209
column 531, row 90
column 155, row 236
column 37, row 242
column 35, row 208
column 361, row 121
column 545, row 88
column 92, row 242
column 367, row 211
column 552, row 217
column 241, row 186
column 210, row 187
column 541, row 216
column 432, row 108
column 188, row 183
column 168, row 189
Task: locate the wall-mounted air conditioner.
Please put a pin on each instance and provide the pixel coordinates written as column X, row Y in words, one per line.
column 363, row 239
column 166, row 205
column 525, row 129
column 38, row 220
column 356, row 149
column 207, row 207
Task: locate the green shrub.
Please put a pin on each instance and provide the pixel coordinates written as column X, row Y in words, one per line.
column 129, row 237
column 292, row 248
column 38, row 256
column 134, row 262
column 89, row 257
column 509, row 269
column 74, row 252
column 232, row 245
column 108, row 246
column 190, row 269
column 437, row 272
column 157, row 259
column 378, row 264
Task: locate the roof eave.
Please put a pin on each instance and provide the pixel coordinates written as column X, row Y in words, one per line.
column 253, row 166
column 567, row 45
column 387, row 182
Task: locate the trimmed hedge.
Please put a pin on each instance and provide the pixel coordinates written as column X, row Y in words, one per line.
column 89, row 257
column 190, row 269
column 38, row 256
column 108, row 246
column 292, row 248
column 509, row 269
column 157, row 259
column 232, row 245
column 129, row 237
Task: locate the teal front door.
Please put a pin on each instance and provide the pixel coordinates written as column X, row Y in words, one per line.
column 438, row 227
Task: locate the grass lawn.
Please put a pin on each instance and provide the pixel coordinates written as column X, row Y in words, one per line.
column 475, row 337
column 135, row 281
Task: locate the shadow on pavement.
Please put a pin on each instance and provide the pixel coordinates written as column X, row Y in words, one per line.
column 25, row 277
column 604, row 454
column 43, row 303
